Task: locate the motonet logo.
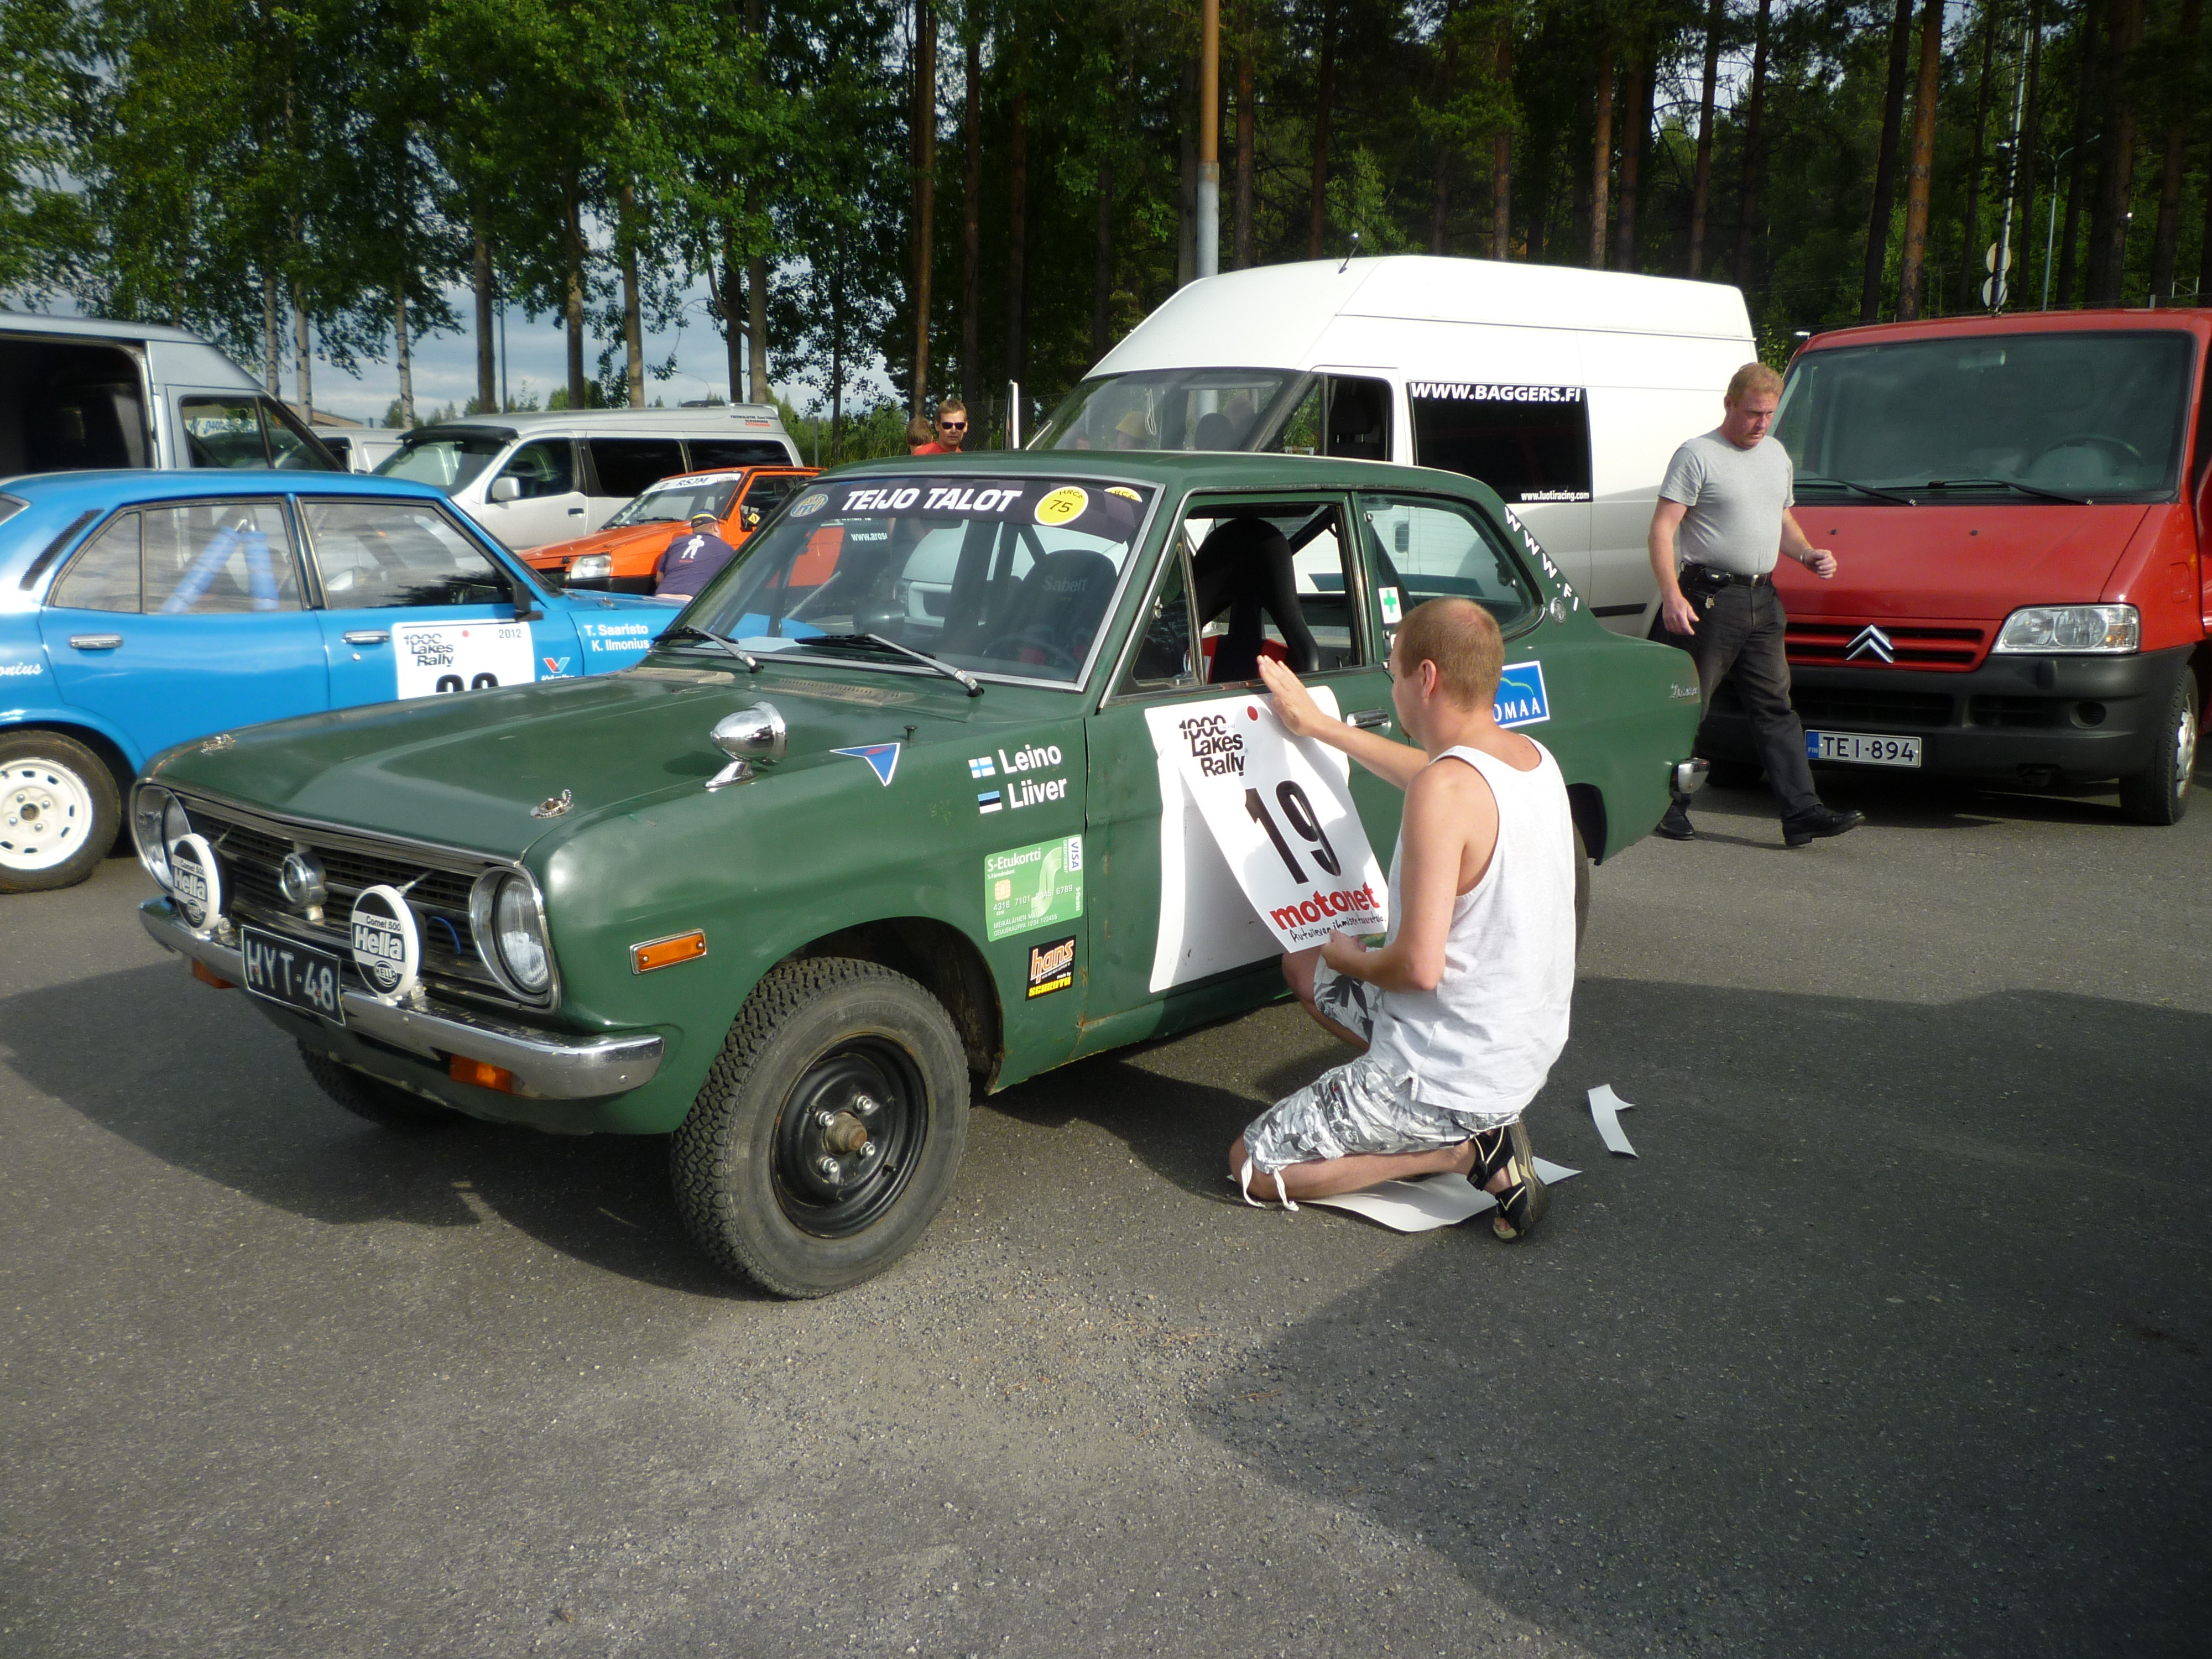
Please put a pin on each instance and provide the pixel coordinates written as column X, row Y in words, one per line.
column 1322, row 905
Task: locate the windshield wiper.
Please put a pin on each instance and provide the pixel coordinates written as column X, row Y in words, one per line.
column 2005, row 484
column 685, row 631
column 1859, row 488
column 974, row 686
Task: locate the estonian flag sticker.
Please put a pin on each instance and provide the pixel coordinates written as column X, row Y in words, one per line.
column 988, row 801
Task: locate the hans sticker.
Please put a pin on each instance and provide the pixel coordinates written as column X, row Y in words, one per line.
column 1051, row 966
column 1062, row 505
column 1521, row 700
column 882, row 759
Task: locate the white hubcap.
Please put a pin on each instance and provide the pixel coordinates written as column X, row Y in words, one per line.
column 45, row 813
column 2185, row 750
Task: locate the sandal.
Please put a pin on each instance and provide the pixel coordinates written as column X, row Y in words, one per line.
column 1526, row 1198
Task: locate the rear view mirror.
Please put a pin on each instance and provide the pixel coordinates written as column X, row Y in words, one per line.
column 505, row 488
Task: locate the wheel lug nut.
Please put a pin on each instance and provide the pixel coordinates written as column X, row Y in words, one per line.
column 864, row 1104
column 830, row 1168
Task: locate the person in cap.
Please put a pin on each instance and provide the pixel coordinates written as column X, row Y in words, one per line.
column 694, row 558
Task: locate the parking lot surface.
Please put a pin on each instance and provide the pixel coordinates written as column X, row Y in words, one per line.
column 1894, row 1338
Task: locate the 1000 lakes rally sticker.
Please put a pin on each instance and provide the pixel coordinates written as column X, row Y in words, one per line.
column 432, row 657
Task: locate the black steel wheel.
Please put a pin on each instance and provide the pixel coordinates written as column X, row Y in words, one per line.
column 829, row 1131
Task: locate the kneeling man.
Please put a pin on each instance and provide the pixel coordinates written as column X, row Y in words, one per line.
column 1463, row 1011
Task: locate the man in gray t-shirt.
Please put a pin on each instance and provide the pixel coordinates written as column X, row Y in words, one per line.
column 1722, row 524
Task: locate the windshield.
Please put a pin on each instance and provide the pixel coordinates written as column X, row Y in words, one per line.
column 1012, row 576
column 447, row 459
column 1173, row 409
column 2091, row 415
column 673, row 501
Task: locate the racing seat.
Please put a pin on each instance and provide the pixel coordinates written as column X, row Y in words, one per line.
column 1057, row 612
column 1244, row 569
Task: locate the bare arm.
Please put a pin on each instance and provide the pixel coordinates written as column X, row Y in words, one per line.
column 1799, row 546
column 1450, row 826
column 1673, row 609
column 1391, row 761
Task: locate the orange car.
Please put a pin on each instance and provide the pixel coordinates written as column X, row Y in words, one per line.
column 619, row 557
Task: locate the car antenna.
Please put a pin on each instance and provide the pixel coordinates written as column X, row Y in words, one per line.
column 1348, row 252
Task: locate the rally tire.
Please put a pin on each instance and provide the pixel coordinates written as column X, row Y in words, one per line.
column 60, row 811
column 1582, row 890
column 384, row 1104
column 822, row 1037
column 2159, row 792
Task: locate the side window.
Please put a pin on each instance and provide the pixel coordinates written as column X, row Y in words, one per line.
column 218, row 558
column 1428, row 548
column 1162, row 659
column 1272, row 579
column 1340, row 415
column 223, row 432
column 707, row 454
column 547, row 467
column 630, row 466
column 290, row 448
column 103, row 575
column 376, row 556
column 1529, row 443
column 768, row 493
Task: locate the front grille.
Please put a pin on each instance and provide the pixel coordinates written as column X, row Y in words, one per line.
column 1826, row 642
column 2031, row 712
column 251, row 847
column 1874, row 708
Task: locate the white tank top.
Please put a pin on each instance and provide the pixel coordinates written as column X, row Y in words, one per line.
column 1485, row 1039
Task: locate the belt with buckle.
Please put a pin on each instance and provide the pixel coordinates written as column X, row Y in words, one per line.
column 1706, row 575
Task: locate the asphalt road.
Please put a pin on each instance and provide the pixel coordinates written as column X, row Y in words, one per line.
column 1895, row 1338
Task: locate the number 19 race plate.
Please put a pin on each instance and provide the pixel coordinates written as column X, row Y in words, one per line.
column 1862, row 749
column 298, row 975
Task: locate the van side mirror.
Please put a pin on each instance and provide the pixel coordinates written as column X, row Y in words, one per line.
column 507, row 488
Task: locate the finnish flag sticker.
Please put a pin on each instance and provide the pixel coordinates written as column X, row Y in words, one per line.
column 983, row 766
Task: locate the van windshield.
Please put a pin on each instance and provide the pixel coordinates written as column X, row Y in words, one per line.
column 1173, row 409
column 1002, row 576
column 446, row 459
column 674, row 501
column 2094, row 415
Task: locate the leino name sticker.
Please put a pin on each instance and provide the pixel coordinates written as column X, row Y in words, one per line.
column 1029, row 887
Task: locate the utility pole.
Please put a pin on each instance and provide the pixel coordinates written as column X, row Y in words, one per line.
column 2000, row 278
column 1209, row 139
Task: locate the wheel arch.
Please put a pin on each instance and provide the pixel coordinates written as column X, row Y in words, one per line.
column 945, row 963
column 109, row 750
column 1586, row 803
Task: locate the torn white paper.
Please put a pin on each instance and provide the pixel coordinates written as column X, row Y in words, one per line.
column 1606, row 1107
column 1433, row 1202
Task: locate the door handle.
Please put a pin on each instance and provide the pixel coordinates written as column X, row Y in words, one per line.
column 1367, row 718
column 575, row 512
column 367, row 636
column 95, row 641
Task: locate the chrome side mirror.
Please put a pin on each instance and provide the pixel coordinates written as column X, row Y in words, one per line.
column 754, row 734
column 505, row 488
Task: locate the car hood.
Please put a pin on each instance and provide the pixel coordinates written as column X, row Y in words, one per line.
column 556, row 554
column 477, row 770
column 1968, row 563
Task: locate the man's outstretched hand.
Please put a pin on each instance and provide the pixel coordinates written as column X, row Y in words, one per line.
column 1294, row 705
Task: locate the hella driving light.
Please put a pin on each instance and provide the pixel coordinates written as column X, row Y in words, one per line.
column 592, row 567
column 2111, row 629
column 510, row 928
column 157, row 822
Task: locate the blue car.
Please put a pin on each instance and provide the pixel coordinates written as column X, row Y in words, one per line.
column 139, row 609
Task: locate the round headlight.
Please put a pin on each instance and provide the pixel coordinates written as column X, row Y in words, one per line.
column 152, row 813
column 519, row 936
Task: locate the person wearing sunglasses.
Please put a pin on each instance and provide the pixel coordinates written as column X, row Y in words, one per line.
column 951, row 431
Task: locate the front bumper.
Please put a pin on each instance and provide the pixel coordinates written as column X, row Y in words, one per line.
column 546, row 1065
column 2014, row 719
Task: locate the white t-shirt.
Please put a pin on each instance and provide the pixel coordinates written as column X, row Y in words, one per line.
column 1736, row 499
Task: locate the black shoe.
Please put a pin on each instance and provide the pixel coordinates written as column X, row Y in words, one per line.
column 1819, row 824
column 1526, row 1198
column 1675, row 826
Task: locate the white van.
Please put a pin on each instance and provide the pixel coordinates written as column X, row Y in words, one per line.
column 1564, row 391
column 77, row 392
column 360, row 448
column 530, row 479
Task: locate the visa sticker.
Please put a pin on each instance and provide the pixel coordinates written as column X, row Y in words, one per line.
column 1521, row 700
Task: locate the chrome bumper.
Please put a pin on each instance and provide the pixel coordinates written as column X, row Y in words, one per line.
column 543, row 1064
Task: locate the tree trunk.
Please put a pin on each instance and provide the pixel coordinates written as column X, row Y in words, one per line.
column 2108, row 255
column 1921, row 173
column 633, row 317
column 572, row 250
column 1324, row 95
column 1501, row 154
column 1872, row 279
column 1187, row 176
column 925, row 190
column 272, row 368
column 2204, row 254
column 1101, row 267
column 837, row 351
column 756, row 373
column 404, row 358
column 1632, row 162
column 303, row 345
column 971, row 229
column 1018, row 228
column 1701, row 186
column 1970, row 243
column 1601, row 157
column 2085, row 121
column 2168, row 236
column 2026, row 162
column 487, row 358
column 732, row 301
column 1440, row 181
column 1747, row 211
column 1240, row 255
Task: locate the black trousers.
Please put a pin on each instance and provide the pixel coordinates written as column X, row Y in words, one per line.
column 1740, row 634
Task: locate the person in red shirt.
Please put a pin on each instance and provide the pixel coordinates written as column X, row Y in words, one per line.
column 951, row 431
column 694, row 558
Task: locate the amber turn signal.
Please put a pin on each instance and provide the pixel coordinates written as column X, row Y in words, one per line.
column 667, row 953
column 482, row 1072
column 206, row 976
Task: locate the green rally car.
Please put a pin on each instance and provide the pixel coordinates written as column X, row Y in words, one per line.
column 876, row 826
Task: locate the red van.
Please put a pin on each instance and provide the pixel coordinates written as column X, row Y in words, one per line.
column 2020, row 510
